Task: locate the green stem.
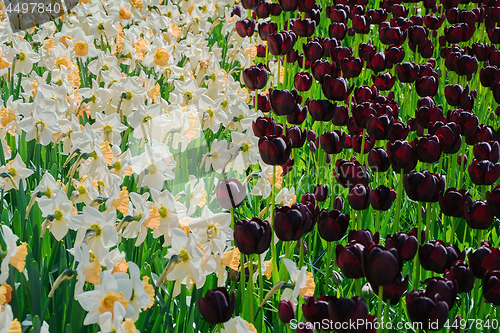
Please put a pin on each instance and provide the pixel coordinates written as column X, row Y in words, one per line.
column 301, row 253
column 242, row 280
column 416, row 263
column 261, row 290
column 428, row 220
column 398, row 203
column 386, row 314
column 250, row 286
column 360, row 219
column 453, row 226
column 379, row 306
column 327, row 266
column 275, row 274
column 461, row 171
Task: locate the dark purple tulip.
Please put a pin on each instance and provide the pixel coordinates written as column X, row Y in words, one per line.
column 266, row 28
column 286, row 311
column 297, row 136
column 488, row 150
column 363, row 236
column 420, row 186
column 377, row 15
column 313, row 51
column 488, row 75
column 297, row 116
column 407, row 72
column 446, row 289
column 321, row 110
column 455, row 94
column 250, row 4
column 449, row 136
column 362, row 95
column 378, row 160
column 332, row 225
column 288, row 5
column 399, row 131
column 359, row 197
column 417, row 34
column 402, row 156
column 332, row 142
column 338, row 53
column 347, row 310
column 433, row 22
column 351, row 67
column 280, row 43
column 264, row 126
column 392, row 35
column 426, row 86
column 315, row 311
column 357, row 141
column 361, row 24
column 217, row 306
column 382, row 198
column 303, row 81
column 263, row 103
column 380, row 127
column 476, row 259
column 467, row 121
column 263, row 9
column 429, row 148
column 335, row 88
column 321, row 193
column 230, row 193
column 252, row 236
column 427, row 310
column 348, row 259
column 378, row 62
column 255, row 77
column 400, row 11
column 493, row 199
column 384, row 81
column 275, row 150
column 406, row 244
column 245, row 28
column 283, row 102
column 366, row 51
column 337, row 30
column 453, row 202
column 484, row 172
column 478, row 215
column 341, row 116
column 350, row 173
column 381, row 266
column 491, row 287
column 322, row 67
column 276, row 9
column 427, row 116
column 436, row 257
column 491, row 261
column 463, row 274
column 394, row 55
column 304, row 28
column 289, row 223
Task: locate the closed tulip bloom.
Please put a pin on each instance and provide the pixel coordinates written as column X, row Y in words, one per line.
column 420, row 186
column 313, row 51
column 283, row 102
column 255, row 77
column 426, row 86
column 446, row 289
column 286, row 311
column 452, row 202
column 455, row 94
column 289, row 5
column 347, row 310
column 417, row 34
column 321, row 110
column 315, row 311
column 217, row 306
column 488, row 75
column 380, row 127
column 266, row 28
column 381, row 266
column 303, row 81
column 378, row 15
column 332, row 225
column 250, row 4
column 335, row 89
column 488, row 150
column 402, row 156
column 384, row 81
column 297, row 137
column 478, row 215
column 341, row 116
column 433, row 22
column 280, row 43
column 357, row 141
column 426, row 310
column 321, row 192
column 363, row 236
column 332, row 142
column 407, row 72
column 359, row 197
column 275, row 150
column 263, row 103
column 264, row 126
column 393, row 292
column 476, row 259
column 406, row 244
column 493, row 199
column 304, row 28
column 491, row 287
column 448, row 135
column 230, row 193
column 351, row 67
column 289, row 223
column 245, row 28
column 348, row 259
column 436, row 257
column 337, row 30
column 392, row 35
column 400, row 11
column 275, row 9
column 429, row 148
column 350, row 173
column 297, row 116
column 463, row 274
column 467, row 121
column 366, row 51
column 484, row 172
column 252, row 236
column 378, row 160
column 322, row 67
column 338, row 203
column 263, row 9
column 491, row 261
column 382, row 198
column 395, row 55
column 361, row 24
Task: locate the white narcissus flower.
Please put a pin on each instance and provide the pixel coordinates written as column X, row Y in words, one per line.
column 24, row 56
column 96, row 98
column 41, row 125
column 248, row 149
column 13, row 173
column 114, row 288
column 147, row 122
column 218, row 156
column 111, row 126
column 47, row 186
column 82, row 45
column 97, row 229
column 84, row 191
column 196, row 192
column 154, row 166
column 139, row 211
column 238, row 325
column 59, row 211
column 286, row 197
column 298, row 278
column 210, row 113
column 170, row 211
column 191, row 259
column 212, row 228
column 88, row 269
column 10, row 240
column 140, row 298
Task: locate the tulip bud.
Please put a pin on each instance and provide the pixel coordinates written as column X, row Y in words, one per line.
column 436, row 257
column 406, row 244
column 321, row 192
column 217, row 307
column 332, row 225
column 491, row 287
column 462, row 274
column 453, row 202
column 478, row 215
column 286, row 311
column 230, row 193
column 252, row 236
column 446, row 289
column 426, row 310
column 367, row 291
column 348, row 259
